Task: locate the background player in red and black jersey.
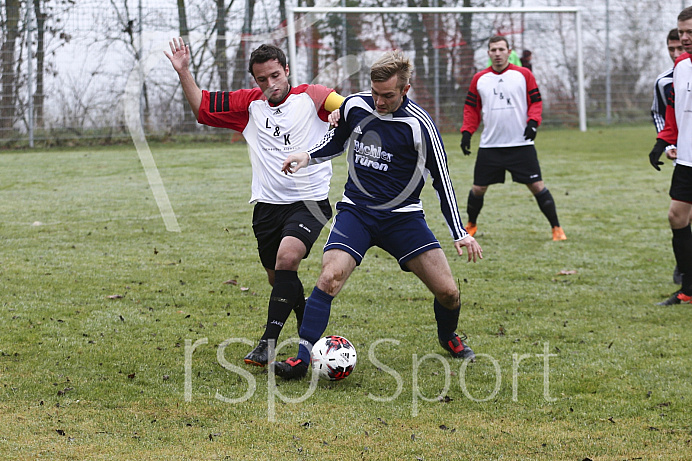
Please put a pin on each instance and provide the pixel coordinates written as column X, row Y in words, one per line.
column 506, row 98
column 663, row 88
column 678, row 132
column 289, row 213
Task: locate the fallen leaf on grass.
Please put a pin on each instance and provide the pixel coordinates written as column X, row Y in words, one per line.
column 115, row 296
column 230, row 282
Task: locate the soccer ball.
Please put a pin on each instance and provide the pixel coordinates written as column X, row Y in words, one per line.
column 333, row 357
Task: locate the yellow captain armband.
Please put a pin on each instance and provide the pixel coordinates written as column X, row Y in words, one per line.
column 333, row 101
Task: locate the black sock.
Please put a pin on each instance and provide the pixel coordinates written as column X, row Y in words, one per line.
column 547, row 206
column 447, row 321
column 285, row 295
column 682, row 248
column 473, row 206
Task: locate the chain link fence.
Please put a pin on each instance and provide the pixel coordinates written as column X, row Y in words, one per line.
column 96, row 69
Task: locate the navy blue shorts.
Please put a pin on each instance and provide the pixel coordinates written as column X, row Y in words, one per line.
column 403, row 235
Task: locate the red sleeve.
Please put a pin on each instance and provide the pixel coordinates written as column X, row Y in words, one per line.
column 318, row 94
column 533, row 96
column 227, row 109
column 669, row 133
column 472, row 107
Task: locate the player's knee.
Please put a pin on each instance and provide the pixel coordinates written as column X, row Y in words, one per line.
column 677, row 219
column 449, row 298
column 479, row 191
column 330, row 282
column 288, row 261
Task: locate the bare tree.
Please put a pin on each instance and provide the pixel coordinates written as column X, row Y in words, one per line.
column 189, row 121
column 40, row 60
column 11, row 34
column 239, row 70
column 220, row 58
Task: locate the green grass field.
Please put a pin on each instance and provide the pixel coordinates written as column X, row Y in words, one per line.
column 100, row 304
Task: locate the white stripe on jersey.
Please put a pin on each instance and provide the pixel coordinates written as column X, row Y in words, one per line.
column 658, row 107
column 438, row 150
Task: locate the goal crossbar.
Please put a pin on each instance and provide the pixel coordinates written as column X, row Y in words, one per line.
column 291, row 31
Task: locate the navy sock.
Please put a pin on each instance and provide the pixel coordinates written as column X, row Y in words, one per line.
column 682, row 248
column 473, row 206
column 287, row 291
column 547, row 206
column 447, row 321
column 315, row 321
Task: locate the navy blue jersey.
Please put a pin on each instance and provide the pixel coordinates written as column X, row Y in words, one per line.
column 390, row 157
column 662, row 93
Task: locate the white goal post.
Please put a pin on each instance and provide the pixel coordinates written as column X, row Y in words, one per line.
column 576, row 11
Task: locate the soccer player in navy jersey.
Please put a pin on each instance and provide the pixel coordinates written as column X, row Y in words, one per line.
column 392, row 146
column 507, row 99
column 678, row 132
column 275, row 119
column 662, row 93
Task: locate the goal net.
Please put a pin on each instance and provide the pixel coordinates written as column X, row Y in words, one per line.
column 335, row 46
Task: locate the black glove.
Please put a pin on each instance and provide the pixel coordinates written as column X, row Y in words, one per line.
column 466, row 142
column 656, row 152
column 530, row 131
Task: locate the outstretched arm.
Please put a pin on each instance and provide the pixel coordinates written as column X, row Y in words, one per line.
column 180, row 58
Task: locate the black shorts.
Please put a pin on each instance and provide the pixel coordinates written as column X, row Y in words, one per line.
column 303, row 220
column 681, row 184
column 492, row 162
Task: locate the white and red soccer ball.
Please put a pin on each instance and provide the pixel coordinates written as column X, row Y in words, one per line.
column 333, row 357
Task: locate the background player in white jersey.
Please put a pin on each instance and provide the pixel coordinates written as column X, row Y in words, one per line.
column 507, row 100
column 275, row 120
column 678, row 132
column 392, row 146
column 664, row 82
column 662, row 92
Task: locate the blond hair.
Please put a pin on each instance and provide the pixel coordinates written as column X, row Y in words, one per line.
column 390, row 64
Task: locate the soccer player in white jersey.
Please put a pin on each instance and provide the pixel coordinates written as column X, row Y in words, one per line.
column 664, row 82
column 393, row 145
column 507, row 100
column 662, row 92
column 289, row 213
column 678, row 132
